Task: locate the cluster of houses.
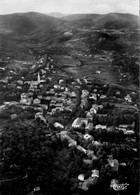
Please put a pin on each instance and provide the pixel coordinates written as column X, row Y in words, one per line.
column 57, row 98
column 60, row 97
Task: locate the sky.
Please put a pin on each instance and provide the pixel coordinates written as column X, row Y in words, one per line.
column 70, row 6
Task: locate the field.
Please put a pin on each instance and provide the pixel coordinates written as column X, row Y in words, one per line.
column 19, row 64
column 90, row 67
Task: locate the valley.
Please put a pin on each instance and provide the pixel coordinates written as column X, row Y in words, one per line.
column 69, row 104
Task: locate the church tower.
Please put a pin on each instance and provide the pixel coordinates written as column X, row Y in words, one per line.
column 38, row 78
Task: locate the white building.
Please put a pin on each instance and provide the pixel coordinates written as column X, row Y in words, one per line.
column 40, row 116
column 25, row 98
column 100, row 126
column 128, row 98
column 79, row 122
column 87, row 136
column 56, row 124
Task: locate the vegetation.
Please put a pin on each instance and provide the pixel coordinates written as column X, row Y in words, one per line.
column 48, row 162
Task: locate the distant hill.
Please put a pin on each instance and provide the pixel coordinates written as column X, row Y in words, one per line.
column 74, row 17
column 17, row 24
column 56, row 14
column 25, row 23
column 117, row 21
column 33, row 23
column 108, row 21
column 19, row 29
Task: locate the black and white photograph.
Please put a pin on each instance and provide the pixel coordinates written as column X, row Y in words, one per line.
column 69, row 97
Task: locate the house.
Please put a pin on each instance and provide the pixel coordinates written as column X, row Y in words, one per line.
column 43, row 71
column 69, row 102
column 20, row 82
column 128, row 98
column 81, row 177
column 39, row 97
column 36, row 101
column 87, row 161
column 95, row 173
column 37, row 189
column 98, row 72
column 59, row 104
column 96, row 143
column 34, row 66
column 50, row 93
column 129, row 132
column 114, row 164
column 85, row 93
column 19, row 87
column 86, row 81
column 95, row 90
column 118, row 92
column 2, row 107
column 52, row 103
column 38, row 109
column 62, row 88
column 83, row 103
column 5, row 80
column 86, row 184
column 33, row 84
column 61, row 81
column 59, row 100
column 96, row 106
column 66, row 89
column 56, row 124
column 13, row 116
column 56, row 86
column 26, row 98
column 81, row 149
column 90, row 154
column 89, row 126
column 47, row 98
column 73, row 94
column 100, row 126
column 87, row 137
column 93, row 111
column 44, row 106
column 78, row 81
column 40, row 116
column 64, row 135
column 122, row 127
column 93, row 96
column 102, row 96
column 89, row 115
column 79, row 122
column 72, row 143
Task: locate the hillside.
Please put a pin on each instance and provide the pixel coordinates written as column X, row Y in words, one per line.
column 34, row 24
column 25, row 23
column 108, row 21
column 15, row 24
column 24, row 30
column 73, row 17
column 117, row 21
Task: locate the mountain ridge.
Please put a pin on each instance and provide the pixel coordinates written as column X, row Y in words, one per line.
column 31, row 21
column 42, row 28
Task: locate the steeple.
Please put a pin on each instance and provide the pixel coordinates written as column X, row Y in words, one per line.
column 38, row 78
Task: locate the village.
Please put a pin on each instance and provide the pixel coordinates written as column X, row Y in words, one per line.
column 86, row 113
